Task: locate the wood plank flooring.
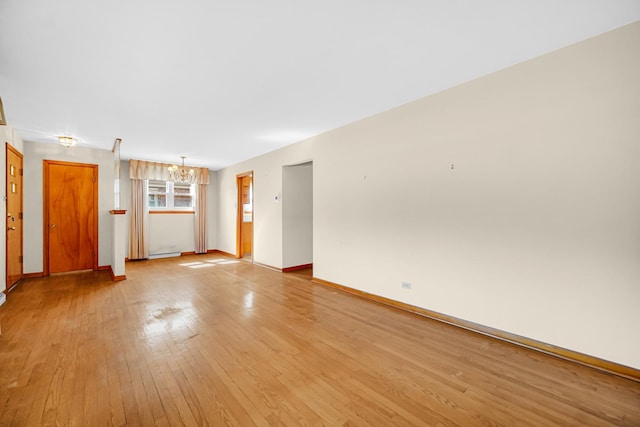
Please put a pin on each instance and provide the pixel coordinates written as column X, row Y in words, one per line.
column 208, row 340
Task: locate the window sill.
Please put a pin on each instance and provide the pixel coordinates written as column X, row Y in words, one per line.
column 171, row 212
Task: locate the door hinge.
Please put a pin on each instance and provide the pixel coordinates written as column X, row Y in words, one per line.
column 93, row 179
column 20, row 215
column 20, row 259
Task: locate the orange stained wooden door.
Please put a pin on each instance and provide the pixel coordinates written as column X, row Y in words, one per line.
column 71, row 216
column 14, row 216
column 244, row 234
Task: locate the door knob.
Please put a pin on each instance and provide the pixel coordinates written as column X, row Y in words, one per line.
column 11, row 228
column 53, row 225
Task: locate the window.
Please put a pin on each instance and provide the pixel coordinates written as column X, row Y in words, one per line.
column 157, row 191
column 167, row 195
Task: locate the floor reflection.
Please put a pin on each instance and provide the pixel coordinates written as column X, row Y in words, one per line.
column 208, row 263
column 179, row 316
column 248, row 300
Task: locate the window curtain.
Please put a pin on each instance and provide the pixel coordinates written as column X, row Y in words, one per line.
column 140, row 170
column 200, row 228
column 201, row 219
column 139, row 240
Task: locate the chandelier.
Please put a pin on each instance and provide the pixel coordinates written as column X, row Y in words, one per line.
column 181, row 173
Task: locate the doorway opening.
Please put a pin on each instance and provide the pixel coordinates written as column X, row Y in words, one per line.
column 297, row 218
column 245, row 218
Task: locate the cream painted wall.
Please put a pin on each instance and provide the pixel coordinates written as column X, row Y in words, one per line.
column 171, row 233
column 34, row 154
column 511, row 201
column 212, row 211
column 297, row 215
column 267, row 184
column 10, row 136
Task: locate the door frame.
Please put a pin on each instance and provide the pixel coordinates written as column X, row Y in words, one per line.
column 14, row 150
column 239, row 216
column 45, row 176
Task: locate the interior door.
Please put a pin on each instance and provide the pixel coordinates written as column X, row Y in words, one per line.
column 244, row 233
column 14, row 216
column 71, row 216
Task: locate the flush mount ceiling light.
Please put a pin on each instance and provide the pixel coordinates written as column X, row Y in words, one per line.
column 67, row 141
column 181, row 173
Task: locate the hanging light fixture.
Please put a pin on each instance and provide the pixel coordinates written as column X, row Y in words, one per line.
column 181, row 173
column 67, row 141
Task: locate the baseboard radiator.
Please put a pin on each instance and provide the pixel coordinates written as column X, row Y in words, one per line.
column 168, row 251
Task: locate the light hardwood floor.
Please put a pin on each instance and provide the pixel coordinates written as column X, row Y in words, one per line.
column 208, row 340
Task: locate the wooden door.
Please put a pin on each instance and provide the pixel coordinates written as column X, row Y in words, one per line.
column 244, row 231
column 71, row 216
column 14, row 216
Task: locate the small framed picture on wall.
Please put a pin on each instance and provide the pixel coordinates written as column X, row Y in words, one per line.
column 3, row 119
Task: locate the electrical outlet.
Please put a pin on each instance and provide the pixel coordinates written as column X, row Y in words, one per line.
column 405, row 285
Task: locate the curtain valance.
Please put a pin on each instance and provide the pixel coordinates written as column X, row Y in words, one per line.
column 140, row 169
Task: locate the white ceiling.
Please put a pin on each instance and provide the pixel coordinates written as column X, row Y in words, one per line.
column 224, row 81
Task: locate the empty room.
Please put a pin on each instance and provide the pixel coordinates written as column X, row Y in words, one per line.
column 341, row 213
